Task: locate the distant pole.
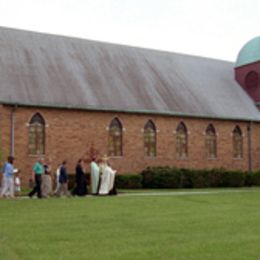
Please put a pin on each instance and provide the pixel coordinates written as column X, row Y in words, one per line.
column 12, row 129
column 249, row 140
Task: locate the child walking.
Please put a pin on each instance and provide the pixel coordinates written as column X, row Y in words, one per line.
column 17, row 183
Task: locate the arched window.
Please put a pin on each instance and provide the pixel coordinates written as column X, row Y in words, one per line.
column 181, row 141
column 150, row 139
column 237, row 143
column 115, row 139
column 211, row 142
column 37, row 135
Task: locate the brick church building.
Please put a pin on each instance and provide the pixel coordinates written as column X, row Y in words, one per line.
column 59, row 96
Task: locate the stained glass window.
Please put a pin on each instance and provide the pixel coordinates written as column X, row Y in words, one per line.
column 115, row 138
column 37, row 135
column 181, row 141
column 211, row 142
column 237, row 143
column 150, row 139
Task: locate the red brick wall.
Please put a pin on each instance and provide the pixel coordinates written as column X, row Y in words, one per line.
column 69, row 134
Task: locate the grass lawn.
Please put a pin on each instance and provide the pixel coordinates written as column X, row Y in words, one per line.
column 222, row 225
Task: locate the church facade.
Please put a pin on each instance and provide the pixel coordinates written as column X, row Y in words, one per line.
column 62, row 96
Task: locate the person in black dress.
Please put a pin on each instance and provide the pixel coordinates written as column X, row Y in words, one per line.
column 80, row 179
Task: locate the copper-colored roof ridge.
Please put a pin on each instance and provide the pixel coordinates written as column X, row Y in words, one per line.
column 141, row 48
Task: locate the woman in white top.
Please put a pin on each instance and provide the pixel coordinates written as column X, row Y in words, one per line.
column 107, row 177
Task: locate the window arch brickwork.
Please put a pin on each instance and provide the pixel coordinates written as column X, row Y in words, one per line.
column 115, row 138
column 237, row 143
column 150, row 139
column 211, row 142
column 37, row 135
column 182, row 141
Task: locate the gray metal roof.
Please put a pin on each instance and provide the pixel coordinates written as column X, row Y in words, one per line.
column 56, row 71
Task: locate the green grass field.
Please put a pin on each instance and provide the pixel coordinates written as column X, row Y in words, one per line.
column 224, row 225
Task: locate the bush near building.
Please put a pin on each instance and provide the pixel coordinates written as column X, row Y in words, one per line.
column 172, row 177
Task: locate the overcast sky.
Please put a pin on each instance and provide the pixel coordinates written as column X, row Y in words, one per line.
column 216, row 29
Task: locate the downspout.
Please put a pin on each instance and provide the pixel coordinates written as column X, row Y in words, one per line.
column 249, row 140
column 12, row 118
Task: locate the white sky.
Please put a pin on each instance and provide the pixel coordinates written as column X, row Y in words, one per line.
column 212, row 28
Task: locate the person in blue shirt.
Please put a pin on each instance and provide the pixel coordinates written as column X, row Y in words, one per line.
column 8, row 178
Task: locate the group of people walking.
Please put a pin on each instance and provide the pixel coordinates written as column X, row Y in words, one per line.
column 43, row 180
column 102, row 179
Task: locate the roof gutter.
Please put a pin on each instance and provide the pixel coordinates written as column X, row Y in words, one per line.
column 129, row 111
column 12, row 120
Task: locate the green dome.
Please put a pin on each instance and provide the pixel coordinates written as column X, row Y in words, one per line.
column 250, row 53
